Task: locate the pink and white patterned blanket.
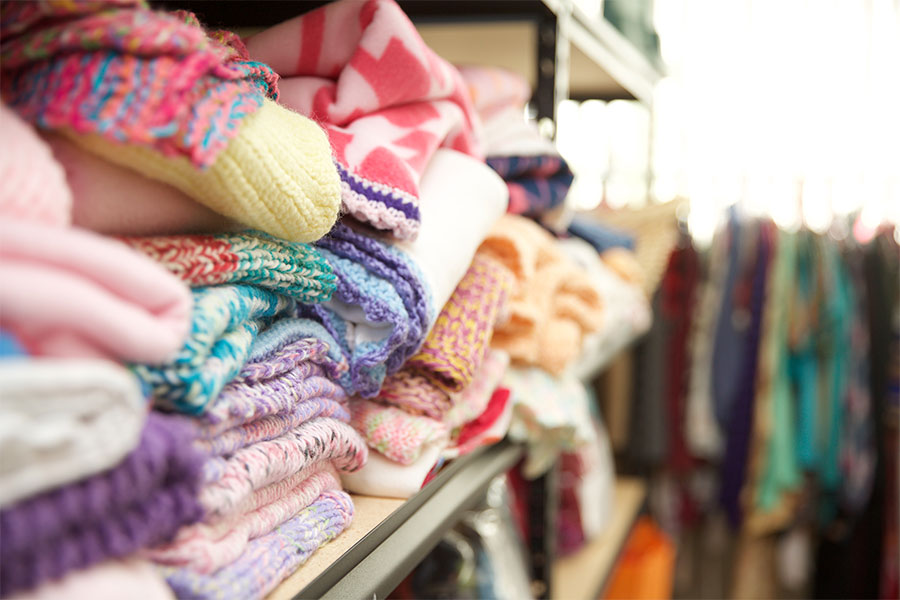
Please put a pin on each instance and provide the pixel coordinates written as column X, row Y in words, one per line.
column 386, row 100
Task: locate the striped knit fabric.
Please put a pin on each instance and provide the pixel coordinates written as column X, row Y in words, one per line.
column 253, row 258
column 393, row 432
column 63, row 64
column 225, row 321
column 205, row 548
column 537, row 184
column 270, row 558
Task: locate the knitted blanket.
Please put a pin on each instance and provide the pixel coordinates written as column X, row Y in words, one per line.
column 72, row 293
column 385, row 99
column 63, row 420
column 456, row 345
column 138, row 503
column 472, row 401
column 270, row 558
column 379, row 314
column 252, row 258
column 556, row 303
column 395, row 433
column 224, row 322
column 64, row 65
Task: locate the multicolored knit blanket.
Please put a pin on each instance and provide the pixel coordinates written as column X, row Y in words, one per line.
column 140, row 502
column 456, row 345
column 271, row 558
column 379, row 314
column 225, row 321
column 537, row 184
column 64, row 64
column 395, row 433
column 253, row 258
column 386, row 100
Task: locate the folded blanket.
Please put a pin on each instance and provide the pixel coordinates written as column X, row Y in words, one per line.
column 34, row 185
column 225, row 320
column 111, row 580
column 550, row 414
column 206, row 547
column 487, row 428
column 271, row 558
column 152, row 207
column 64, row 420
column 379, row 314
column 385, row 99
column 382, row 476
column 153, row 92
column 395, row 433
column 72, row 293
column 537, row 184
column 556, row 303
column 138, row 503
column 473, row 400
column 295, row 270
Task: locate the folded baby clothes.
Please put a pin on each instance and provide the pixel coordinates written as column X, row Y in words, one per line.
column 550, row 414
column 385, row 99
column 113, row 200
column 271, row 558
column 73, row 293
column 289, row 268
column 456, row 346
column 224, row 321
column 556, row 303
column 380, row 311
column 140, row 502
column 64, row 420
column 34, row 185
column 111, row 580
column 152, row 91
column 395, row 433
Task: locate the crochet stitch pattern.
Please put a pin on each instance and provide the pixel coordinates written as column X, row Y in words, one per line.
column 253, row 258
column 194, row 90
column 141, row 502
column 225, row 321
column 270, row 558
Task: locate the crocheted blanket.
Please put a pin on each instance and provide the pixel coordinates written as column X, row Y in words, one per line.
column 253, row 258
column 271, row 558
column 140, row 502
column 380, row 311
column 63, row 64
column 386, row 100
column 456, row 345
column 224, row 322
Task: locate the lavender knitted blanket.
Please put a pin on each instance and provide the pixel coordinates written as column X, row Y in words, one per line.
column 141, row 502
column 379, row 313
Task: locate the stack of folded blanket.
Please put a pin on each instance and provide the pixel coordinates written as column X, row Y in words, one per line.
column 238, row 277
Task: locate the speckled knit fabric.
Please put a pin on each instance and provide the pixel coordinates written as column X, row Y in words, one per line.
column 472, row 401
column 235, row 478
column 394, row 432
column 270, row 558
column 380, row 311
column 253, row 258
column 141, row 502
column 194, row 90
column 456, row 345
column 555, row 304
column 225, row 320
column 207, row 547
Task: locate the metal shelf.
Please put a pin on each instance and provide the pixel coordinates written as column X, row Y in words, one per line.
column 375, row 564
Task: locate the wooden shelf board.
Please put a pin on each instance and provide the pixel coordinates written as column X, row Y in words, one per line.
column 583, row 575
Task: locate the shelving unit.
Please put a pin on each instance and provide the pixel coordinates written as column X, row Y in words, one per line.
column 585, row 574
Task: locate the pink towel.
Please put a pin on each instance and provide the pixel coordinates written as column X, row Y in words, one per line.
column 34, row 186
column 385, row 99
column 70, row 293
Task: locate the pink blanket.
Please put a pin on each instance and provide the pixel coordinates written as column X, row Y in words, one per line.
column 385, row 99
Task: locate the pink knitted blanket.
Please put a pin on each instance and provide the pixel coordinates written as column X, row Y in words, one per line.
column 385, row 99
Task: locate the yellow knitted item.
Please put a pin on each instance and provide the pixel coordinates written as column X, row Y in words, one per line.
column 277, row 175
